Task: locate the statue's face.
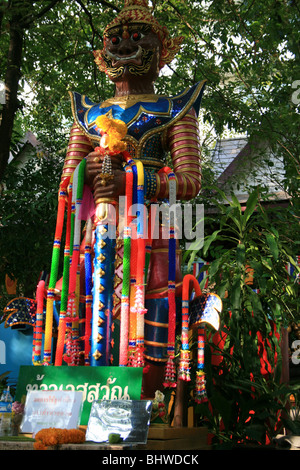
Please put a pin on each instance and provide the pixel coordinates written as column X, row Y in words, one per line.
column 132, row 52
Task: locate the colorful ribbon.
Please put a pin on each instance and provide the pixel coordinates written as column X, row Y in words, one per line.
column 74, row 286
column 200, row 387
column 88, row 291
column 139, row 292
column 54, row 271
column 170, row 370
column 38, row 328
column 124, row 315
column 184, row 364
column 65, row 284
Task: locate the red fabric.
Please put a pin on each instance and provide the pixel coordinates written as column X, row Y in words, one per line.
column 266, row 368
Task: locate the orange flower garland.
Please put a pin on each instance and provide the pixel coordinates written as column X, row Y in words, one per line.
column 115, row 131
column 51, row 437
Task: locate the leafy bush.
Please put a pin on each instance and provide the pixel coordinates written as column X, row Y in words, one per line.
column 248, row 252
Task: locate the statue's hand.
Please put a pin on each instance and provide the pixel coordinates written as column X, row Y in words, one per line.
column 114, row 187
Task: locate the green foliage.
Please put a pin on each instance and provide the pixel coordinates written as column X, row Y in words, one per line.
column 247, row 410
column 248, row 252
column 253, row 241
column 28, row 207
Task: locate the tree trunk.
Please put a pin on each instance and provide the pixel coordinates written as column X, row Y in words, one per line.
column 13, row 74
column 181, row 405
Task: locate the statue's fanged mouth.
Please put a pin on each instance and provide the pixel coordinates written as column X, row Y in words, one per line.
column 117, row 60
column 137, row 63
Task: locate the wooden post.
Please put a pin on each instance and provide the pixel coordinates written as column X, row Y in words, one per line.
column 284, row 346
column 180, row 408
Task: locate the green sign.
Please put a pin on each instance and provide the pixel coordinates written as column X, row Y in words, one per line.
column 96, row 383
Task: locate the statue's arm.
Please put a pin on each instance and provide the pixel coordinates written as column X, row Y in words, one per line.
column 79, row 146
column 184, row 145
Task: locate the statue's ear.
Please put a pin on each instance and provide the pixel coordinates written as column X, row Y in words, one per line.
column 170, row 47
column 161, row 64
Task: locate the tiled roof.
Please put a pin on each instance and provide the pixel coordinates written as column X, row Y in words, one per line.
column 239, row 164
column 225, row 152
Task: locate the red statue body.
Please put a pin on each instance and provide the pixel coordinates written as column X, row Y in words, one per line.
column 135, row 48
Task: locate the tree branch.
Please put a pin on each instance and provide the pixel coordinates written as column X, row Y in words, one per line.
column 30, row 19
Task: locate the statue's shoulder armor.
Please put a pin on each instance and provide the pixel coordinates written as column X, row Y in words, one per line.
column 143, row 118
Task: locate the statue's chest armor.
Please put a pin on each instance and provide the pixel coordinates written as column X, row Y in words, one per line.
column 147, row 119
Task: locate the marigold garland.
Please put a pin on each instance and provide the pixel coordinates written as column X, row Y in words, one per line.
column 116, row 131
column 51, row 437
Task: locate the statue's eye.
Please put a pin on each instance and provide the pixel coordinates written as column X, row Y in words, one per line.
column 136, row 36
column 115, row 40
